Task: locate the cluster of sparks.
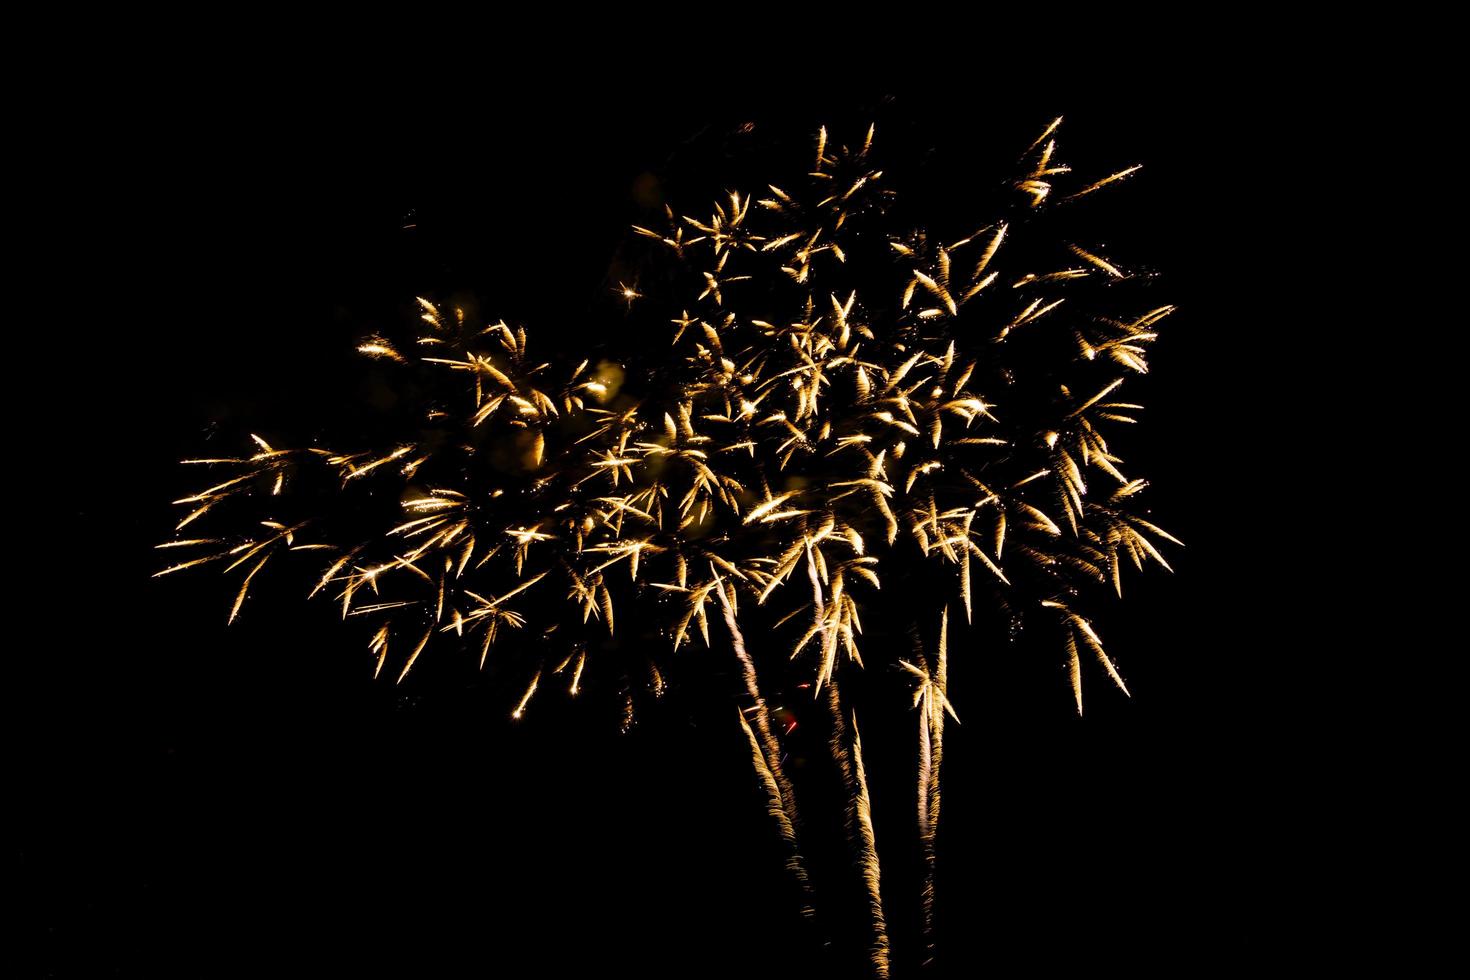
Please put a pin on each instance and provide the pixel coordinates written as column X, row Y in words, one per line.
column 839, row 400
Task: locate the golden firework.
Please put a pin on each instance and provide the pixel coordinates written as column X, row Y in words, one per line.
column 842, row 399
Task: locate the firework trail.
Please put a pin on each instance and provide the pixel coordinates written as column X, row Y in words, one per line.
column 766, row 757
column 778, row 814
column 768, row 743
column 930, row 699
column 849, row 390
column 868, row 858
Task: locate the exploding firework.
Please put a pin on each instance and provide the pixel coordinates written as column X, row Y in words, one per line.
column 843, row 392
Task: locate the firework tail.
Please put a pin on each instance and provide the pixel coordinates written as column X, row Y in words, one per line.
column 858, row 815
column 778, row 814
column 868, row 859
column 931, row 755
column 766, row 757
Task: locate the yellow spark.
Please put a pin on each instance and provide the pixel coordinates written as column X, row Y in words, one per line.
column 990, row 249
column 376, row 346
column 184, row 565
column 577, row 673
column 525, row 698
column 938, row 290
column 767, row 507
column 245, row 587
column 1046, row 135
column 398, row 453
column 1095, row 398
column 1106, row 181
column 1098, row 261
column 1074, row 670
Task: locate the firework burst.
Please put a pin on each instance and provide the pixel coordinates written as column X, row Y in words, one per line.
column 843, row 393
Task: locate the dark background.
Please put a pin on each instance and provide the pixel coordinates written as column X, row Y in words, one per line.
column 194, row 798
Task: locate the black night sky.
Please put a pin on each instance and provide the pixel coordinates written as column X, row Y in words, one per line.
column 198, row 801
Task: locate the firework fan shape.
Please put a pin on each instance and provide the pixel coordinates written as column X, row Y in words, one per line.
column 840, row 396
